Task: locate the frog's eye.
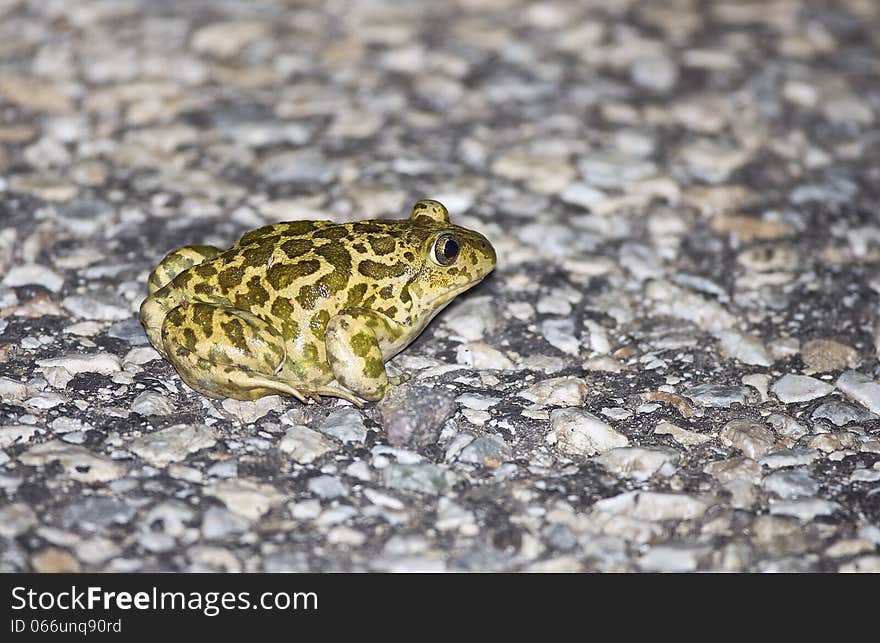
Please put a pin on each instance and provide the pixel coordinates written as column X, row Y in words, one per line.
column 445, row 250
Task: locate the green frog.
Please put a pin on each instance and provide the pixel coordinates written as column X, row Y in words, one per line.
column 309, row 308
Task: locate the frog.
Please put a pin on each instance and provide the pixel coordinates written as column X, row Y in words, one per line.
column 309, row 308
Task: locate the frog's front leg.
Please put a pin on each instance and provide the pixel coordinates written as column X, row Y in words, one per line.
column 225, row 352
column 354, row 338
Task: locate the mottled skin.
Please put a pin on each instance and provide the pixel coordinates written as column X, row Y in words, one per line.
column 309, row 308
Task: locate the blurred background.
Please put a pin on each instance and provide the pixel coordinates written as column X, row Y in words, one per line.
column 684, row 199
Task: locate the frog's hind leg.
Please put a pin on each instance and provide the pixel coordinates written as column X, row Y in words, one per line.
column 178, row 260
column 223, row 352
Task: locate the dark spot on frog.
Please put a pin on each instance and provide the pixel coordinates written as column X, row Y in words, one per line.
column 189, row 339
column 376, row 270
column 257, row 294
column 355, row 295
column 373, row 367
column 367, row 227
column 258, row 254
column 309, row 353
column 282, row 308
column 255, row 235
column 234, row 331
column 409, row 256
column 340, row 259
column 203, row 288
column 181, row 280
column 382, row 244
column 387, row 292
column 310, row 294
column 362, row 343
column 280, row 275
column 205, row 270
column 334, row 233
column 203, row 317
column 230, row 278
column 294, row 248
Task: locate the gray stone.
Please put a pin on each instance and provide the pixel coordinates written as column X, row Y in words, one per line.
column 429, row 479
column 748, row 436
column 654, row 73
column 653, row 506
column 96, row 513
column 739, row 468
column 246, row 497
column 560, row 334
column 218, row 523
column 102, row 306
column 744, row 348
column 17, row 434
column 345, row 424
column 327, row 487
column 33, row 275
column 559, row 537
column 799, row 388
column 15, row 519
column 789, row 458
column 613, row 170
column 152, row 403
column 414, row 415
column 249, row 411
column 174, row 443
column 712, row 395
column 804, row 509
column 791, row 483
column 129, row 330
column 76, row 363
column 556, row 391
column 861, row 389
column 673, row 558
column 578, row 432
column 305, row 445
column 841, row 413
column 786, row 426
column 639, row 463
column 488, row 450
column 77, row 463
column 85, row 217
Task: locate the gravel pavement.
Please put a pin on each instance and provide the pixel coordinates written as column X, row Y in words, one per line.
column 674, row 367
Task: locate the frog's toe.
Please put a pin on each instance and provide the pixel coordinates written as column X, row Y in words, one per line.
column 338, row 391
column 399, row 379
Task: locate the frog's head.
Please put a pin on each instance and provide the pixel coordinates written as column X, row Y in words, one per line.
column 451, row 258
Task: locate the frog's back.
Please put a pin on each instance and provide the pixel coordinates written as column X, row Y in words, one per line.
column 296, row 275
column 284, row 229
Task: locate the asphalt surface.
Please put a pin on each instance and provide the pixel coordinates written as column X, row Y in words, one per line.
column 672, row 368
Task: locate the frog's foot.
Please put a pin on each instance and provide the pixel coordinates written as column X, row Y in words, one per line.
column 176, row 261
column 337, row 391
column 223, row 352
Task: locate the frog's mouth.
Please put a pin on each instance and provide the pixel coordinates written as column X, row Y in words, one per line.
column 441, row 301
column 434, row 306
